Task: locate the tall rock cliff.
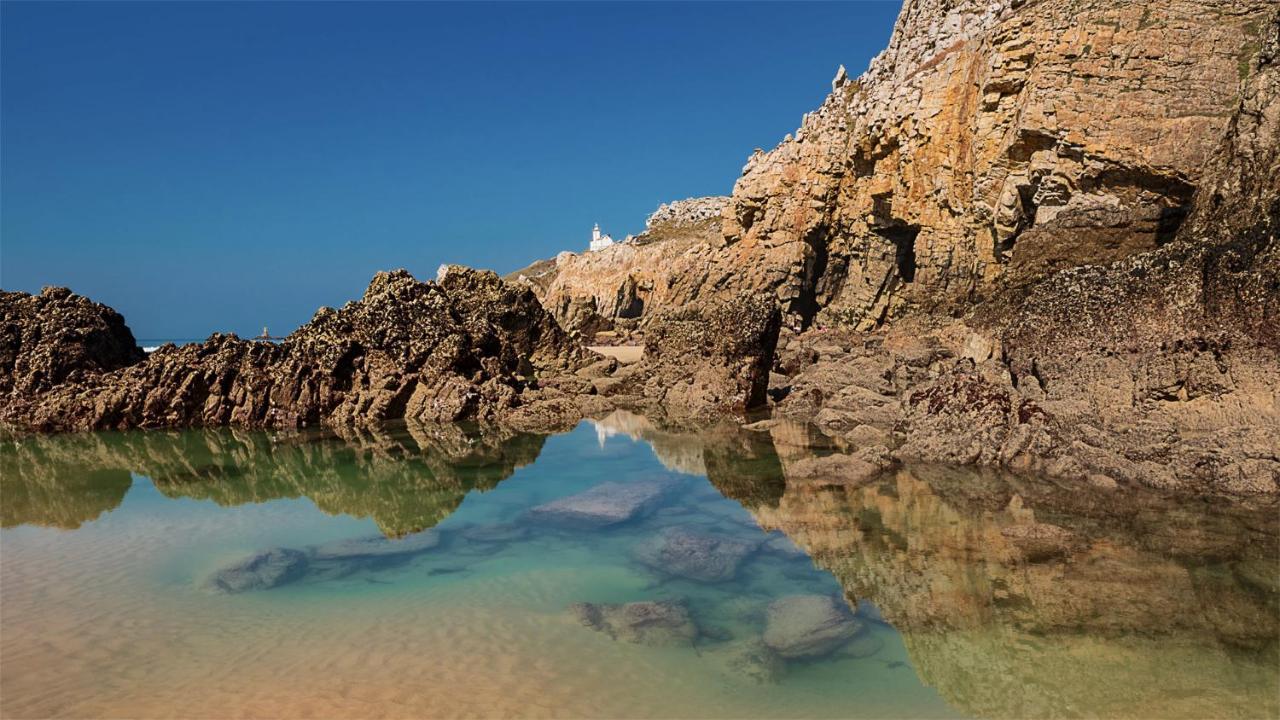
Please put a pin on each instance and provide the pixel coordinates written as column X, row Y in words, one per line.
column 991, row 140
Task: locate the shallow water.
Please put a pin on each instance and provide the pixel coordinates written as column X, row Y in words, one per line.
column 959, row 601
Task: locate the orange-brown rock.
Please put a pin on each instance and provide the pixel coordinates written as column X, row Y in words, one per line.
column 1082, row 127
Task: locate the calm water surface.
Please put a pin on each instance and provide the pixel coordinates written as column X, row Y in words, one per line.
column 431, row 572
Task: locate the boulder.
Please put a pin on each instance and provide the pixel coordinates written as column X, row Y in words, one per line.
column 712, row 357
column 260, row 571
column 658, row 622
column 605, row 504
column 695, row 556
column 808, row 626
column 58, row 336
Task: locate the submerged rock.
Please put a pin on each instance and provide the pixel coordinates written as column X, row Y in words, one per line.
column 376, row 546
column 260, row 571
column 808, row 626
column 606, row 504
column 755, row 661
column 654, row 622
column 695, row 556
column 863, row 646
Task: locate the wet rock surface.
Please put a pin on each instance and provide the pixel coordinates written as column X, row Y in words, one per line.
column 712, row 358
column 647, row 623
column 693, row 555
column 808, row 626
column 606, row 504
column 331, row 560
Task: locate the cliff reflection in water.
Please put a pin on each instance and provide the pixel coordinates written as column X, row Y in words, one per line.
column 406, row 478
column 1015, row 597
column 1024, row 598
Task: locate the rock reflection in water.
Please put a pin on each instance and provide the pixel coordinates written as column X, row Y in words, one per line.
column 406, row 478
column 1014, row 597
column 1023, row 598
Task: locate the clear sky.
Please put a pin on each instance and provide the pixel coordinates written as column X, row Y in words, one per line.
column 222, row 166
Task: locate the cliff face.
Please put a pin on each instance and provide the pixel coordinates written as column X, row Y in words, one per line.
column 990, row 141
column 1063, row 264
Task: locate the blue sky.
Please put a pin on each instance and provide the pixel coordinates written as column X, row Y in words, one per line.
column 224, row 166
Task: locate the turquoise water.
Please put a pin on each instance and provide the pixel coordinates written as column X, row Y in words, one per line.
column 112, row 543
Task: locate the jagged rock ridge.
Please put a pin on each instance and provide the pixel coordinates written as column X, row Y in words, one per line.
column 461, row 348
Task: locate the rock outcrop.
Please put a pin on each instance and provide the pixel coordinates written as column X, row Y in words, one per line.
column 1033, row 234
column 463, row 348
column 57, row 337
column 1160, row 367
column 713, row 357
column 992, row 140
column 618, row 288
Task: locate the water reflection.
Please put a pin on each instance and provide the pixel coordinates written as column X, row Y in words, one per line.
column 406, row 478
column 1025, row 598
column 1014, row 597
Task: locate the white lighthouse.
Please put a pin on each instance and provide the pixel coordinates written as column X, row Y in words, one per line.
column 598, row 241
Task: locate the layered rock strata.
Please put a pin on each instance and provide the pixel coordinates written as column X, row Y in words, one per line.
column 991, row 140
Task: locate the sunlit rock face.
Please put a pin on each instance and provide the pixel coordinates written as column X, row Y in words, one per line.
column 406, row 479
column 1020, row 598
column 991, row 137
column 618, row 288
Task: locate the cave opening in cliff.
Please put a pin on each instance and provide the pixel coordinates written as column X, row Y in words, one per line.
column 903, row 238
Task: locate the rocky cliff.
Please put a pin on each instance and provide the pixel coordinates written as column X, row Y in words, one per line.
column 1033, row 234
column 991, row 141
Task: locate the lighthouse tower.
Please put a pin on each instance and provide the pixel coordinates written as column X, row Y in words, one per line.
column 598, row 241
